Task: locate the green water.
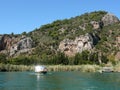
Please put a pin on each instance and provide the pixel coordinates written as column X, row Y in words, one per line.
column 59, row 81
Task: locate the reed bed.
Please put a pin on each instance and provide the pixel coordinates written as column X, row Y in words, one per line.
column 9, row 67
column 90, row 68
column 64, row 68
column 82, row 68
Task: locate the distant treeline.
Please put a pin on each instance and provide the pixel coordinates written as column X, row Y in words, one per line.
column 60, row 58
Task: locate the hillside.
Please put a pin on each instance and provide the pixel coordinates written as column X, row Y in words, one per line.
column 90, row 38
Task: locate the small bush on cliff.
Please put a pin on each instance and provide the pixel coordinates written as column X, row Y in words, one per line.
column 3, row 58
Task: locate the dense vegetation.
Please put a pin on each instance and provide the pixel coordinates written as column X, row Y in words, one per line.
column 48, row 37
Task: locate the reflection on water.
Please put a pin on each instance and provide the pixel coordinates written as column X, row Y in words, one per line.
column 59, row 81
column 38, row 77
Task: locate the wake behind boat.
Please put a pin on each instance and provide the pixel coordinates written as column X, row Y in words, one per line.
column 40, row 69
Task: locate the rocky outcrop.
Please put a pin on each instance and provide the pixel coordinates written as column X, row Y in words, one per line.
column 117, row 56
column 22, row 46
column 81, row 43
column 109, row 19
column 15, row 45
column 6, row 42
column 118, row 39
column 95, row 24
column 83, row 26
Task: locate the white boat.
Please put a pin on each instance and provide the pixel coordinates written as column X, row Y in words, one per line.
column 40, row 69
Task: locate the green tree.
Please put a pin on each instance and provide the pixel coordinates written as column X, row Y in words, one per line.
column 3, row 58
column 94, row 58
column 60, row 58
column 24, row 33
column 77, row 58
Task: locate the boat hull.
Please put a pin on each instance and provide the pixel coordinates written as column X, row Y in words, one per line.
column 42, row 72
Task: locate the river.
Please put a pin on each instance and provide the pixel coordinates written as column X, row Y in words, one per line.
column 59, row 81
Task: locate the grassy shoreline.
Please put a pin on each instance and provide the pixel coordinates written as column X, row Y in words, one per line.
column 9, row 68
column 82, row 68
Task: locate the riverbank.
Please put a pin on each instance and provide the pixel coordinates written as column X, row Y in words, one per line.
column 82, row 68
column 10, row 68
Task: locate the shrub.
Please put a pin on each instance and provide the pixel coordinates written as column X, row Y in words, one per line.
column 3, row 58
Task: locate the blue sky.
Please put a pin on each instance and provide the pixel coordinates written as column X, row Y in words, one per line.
column 18, row 16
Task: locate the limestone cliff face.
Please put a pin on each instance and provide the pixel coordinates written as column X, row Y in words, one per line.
column 6, row 42
column 22, row 46
column 96, row 25
column 81, row 43
column 109, row 19
column 15, row 45
column 117, row 56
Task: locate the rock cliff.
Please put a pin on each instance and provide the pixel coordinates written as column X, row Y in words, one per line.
column 22, row 46
column 81, row 43
column 15, row 45
column 6, row 42
column 109, row 19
